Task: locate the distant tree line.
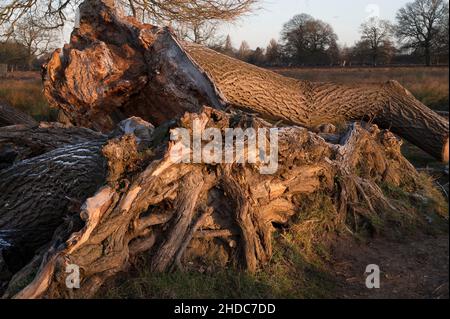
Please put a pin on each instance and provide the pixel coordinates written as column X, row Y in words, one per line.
column 419, row 36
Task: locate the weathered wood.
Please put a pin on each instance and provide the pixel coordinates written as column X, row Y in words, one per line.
column 19, row 142
column 11, row 116
column 97, row 201
column 116, row 67
column 148, row 202
column 184, row 213
column 37, row 194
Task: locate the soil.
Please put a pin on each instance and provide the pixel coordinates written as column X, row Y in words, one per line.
column 417, row 268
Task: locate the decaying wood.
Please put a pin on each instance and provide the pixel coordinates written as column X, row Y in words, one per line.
column 19, row 142
column 149, row 202
column 116, row 67
column 12, row 116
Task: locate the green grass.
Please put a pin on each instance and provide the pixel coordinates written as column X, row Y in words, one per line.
column 296, row 269
column 427, row 208
column 287, row 276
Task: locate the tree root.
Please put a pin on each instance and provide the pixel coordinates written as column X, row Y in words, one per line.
column 153, row 204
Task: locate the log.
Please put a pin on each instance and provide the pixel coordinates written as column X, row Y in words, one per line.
column 116, row 67
column 20, row 142
column 11, row 116
column 150, row 202
column 58, row 169
column 37, row 194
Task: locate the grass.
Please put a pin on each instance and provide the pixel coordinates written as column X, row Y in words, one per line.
column 281, row 279
column 296, row 269
column 27, row 95
column 427, row 208
column 429, row 85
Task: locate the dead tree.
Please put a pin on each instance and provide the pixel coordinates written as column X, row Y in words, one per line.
column 70, row 196
column 19, row 142
column 11, row 116
column 151, row 202
column 116, row 67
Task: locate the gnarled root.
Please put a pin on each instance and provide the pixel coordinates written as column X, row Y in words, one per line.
column 152, row 203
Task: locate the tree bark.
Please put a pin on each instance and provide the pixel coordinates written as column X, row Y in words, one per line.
column 20, row 142
column 116, row 67
column 12, row 116
column 37, row 194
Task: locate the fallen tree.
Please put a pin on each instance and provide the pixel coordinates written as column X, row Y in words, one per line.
column 151, row 202
column 19, row 142
column 72, row 196
column 12, row 116
column 116, row 67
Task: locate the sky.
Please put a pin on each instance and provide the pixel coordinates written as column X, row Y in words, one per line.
column 345, row 16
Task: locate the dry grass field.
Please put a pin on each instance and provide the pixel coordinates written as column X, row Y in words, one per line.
column 429, row 85
column 23, row 90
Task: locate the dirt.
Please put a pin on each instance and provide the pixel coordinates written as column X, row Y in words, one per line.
column 417, row 268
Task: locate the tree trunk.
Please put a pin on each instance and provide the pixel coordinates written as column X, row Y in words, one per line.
column 39, row 195
column 20, row 142
column 11, row 116
column 151, row 202
column 427, row 54
column 116, row 67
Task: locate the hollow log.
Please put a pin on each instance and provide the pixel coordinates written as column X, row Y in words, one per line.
column 115, row 67
column 148, row 200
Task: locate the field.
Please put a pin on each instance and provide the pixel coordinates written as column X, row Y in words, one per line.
column 23, row 90
column 429, row 85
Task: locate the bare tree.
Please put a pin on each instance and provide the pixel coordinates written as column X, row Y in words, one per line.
column 273, row 53
column 201, row 32
column 257, row 57
column 419, row 25
column 308, row 40
column 244, row 51
column 36, row 38
column 183, row 12
column 228, row 46
column 13, row 54
column 376, row 36
column 53, row 13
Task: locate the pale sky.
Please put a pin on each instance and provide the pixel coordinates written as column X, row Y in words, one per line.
column 344, row 15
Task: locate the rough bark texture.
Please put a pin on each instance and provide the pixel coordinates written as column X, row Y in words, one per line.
column 116, row 67
column 149, row 202
column 19, row 142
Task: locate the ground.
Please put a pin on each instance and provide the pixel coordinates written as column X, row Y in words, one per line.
column 409, row 269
